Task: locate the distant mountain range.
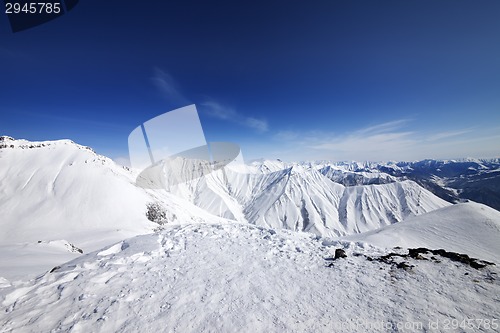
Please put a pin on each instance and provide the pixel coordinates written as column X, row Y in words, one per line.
column 452, row 180
column 64, row 192
column 301, row 198
column 325, row 198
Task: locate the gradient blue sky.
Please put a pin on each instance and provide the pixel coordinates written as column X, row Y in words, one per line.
column 296, row 80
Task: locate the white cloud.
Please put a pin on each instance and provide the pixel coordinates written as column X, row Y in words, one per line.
column 216, row 110
column 370, row 143
column 168, row 87
column 258, row 124
column 448, row 134
column 170, row 90
column 383, row 127
column 386, row 141
column 286, row 135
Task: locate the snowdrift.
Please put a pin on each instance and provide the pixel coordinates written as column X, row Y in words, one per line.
column 469, row 228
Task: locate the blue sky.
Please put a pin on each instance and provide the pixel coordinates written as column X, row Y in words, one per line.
column 296, row 80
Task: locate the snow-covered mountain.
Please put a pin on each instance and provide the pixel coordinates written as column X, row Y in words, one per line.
column 98, row 195
column 223, row 259
column 58, row 197
column 56, row 188
column 301, row 198
column 451, row 180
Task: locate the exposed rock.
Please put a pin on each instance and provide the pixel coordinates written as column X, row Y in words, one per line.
column 339, row 253
column 453, row 256
column 417, row 255
column 73, row 248
column 54, row 269
column 404, row 265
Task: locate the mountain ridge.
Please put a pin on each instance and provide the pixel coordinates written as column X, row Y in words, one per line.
column 60, row 192
column 196, row 271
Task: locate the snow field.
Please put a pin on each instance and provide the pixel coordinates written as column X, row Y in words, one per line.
column 239, row 277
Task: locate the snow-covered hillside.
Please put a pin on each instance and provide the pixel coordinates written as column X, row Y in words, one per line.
column 207, row 269
column 303, row 199
column 58, row 197
column 470, row 227
column 61, row 190
column 243, row 278
column 55, row 189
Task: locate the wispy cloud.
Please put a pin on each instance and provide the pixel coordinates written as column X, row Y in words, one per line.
column 447, row 134
column 216, row 110
column 171, row 91
column 394, row 140
column 287, row 135
column 369, row 143
column 168, row 87
column 383, row 127
column 373, row 143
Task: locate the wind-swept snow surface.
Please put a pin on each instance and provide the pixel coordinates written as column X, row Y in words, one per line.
column 468, row 227
column 243, row 278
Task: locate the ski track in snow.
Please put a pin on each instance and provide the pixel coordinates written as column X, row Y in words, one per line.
column 243, row 278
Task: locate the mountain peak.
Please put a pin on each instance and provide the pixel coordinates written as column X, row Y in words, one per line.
column 6, row 138
column 10, row 142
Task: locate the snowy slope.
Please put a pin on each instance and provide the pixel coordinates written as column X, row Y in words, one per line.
column 61, row 190
column 301, row 198
column 470, row 228
column 242, row 278
column 203, row 273
column 54, row 190
column 58, row 194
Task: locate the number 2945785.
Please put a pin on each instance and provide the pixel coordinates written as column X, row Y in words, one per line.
column 32, row 8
